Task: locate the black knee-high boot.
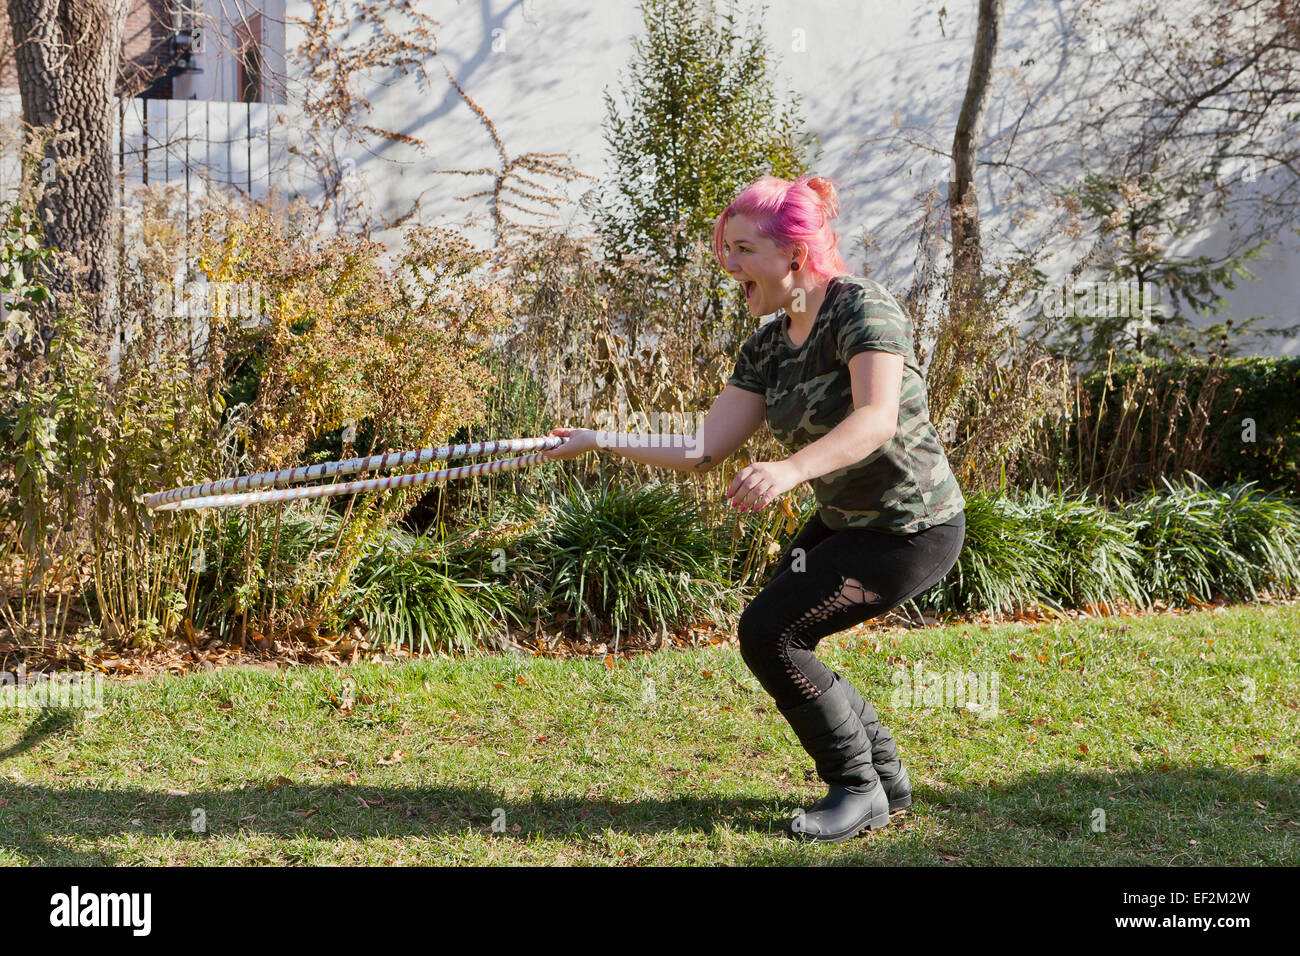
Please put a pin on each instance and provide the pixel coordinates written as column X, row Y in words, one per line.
column 884, row 752
column 838, row 743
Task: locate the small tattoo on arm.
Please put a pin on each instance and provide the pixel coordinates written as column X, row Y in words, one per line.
column 703, row 461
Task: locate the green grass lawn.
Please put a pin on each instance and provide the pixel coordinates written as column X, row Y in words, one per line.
column 1182, row 730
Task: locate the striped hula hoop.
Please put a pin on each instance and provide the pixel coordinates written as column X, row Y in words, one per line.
column 230, row 492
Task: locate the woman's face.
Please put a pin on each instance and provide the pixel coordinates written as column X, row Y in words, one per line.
column 758, row 264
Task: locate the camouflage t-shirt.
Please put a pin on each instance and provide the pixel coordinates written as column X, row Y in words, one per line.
column 906, row 485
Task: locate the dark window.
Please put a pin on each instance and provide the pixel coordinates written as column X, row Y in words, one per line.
column 250, row 59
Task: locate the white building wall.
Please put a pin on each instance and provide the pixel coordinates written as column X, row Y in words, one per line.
column 539, row 68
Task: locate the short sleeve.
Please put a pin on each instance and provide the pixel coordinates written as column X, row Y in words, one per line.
column 747, row 374
column 873, row 319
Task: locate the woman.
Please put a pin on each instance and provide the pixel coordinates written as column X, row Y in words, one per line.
column 836, row 379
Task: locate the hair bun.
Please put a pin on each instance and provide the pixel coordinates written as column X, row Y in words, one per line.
column 824, row 188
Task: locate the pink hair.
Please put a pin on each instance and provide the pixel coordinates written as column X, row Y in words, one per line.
column 789, row 212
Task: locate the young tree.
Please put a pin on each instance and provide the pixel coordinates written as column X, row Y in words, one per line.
column 1145, row 295
column 963, row 203
column 702, row 123
column 1193, row 104
column 1201, row 136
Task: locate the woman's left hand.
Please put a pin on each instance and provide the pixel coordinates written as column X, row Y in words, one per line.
column 761, row 483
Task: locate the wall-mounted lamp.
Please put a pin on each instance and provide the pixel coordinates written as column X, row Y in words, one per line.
column 184, row 44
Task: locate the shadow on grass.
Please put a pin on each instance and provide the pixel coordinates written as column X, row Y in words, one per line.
column 1186, row 814
column 49, row 722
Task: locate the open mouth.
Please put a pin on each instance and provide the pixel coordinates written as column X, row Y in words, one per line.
column 750, row 287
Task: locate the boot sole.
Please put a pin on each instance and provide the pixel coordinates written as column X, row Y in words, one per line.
column 878, row 822
column 901, row 803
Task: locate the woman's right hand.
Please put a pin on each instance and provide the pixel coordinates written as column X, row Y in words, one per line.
column 580, row 441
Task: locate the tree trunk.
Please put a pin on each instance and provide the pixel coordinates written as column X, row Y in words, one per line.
column 67, row 54
column 962, row 203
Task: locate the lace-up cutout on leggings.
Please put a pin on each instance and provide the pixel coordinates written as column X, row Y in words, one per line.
column 831, row 580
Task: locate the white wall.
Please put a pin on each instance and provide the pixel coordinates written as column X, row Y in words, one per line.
column 538, row 68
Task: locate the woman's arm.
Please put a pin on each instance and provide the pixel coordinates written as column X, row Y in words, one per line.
column 734, row 416
column 877, row 378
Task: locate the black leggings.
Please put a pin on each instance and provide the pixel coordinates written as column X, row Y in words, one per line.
column 831, row 580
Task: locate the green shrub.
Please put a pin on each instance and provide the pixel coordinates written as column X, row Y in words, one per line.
column 1008, row 559
column 255, row 558
column 413, row 591
column 1226, row 421
column 1096, row 556
column 1265, row 527
column 619, row 559
column 1066, row 550
column 1199, row 541
column 1270, row 395
column 405, row 589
